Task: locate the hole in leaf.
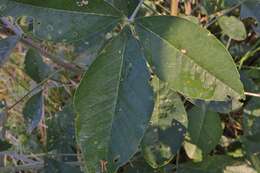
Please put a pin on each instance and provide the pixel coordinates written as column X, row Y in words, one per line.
column 116, row 159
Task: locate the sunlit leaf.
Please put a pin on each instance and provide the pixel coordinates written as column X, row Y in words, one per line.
column 175, row 48
column 232, row 27
column 217, row 164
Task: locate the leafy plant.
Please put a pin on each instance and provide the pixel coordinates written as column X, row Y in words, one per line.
column 131, row 77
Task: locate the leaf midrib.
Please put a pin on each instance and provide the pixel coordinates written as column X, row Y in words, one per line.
column 117, row 92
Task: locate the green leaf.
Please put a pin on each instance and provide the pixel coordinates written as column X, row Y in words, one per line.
column 204, row 128
column 114, row 103
column 228, row 105
column 217, row 164
column 232, row 27
column 175, row 48
column 219, row 106
column 34, row 110
column 65, row 22
column 61, row 131
column 168, row 106
column 253, row 108
column 250, row 8
column 35, row 66
column 167, row 119
column 6, row 47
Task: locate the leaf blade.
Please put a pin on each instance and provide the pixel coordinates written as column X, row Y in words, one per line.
column 199, row 122
column 168, row 119
column 114, row 89
column 172, row 45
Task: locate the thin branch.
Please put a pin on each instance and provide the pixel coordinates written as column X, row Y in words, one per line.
column 174, row 7
column 255, row 48
column 67, row 65
column 150, row 8
column 7, row 24
column 162, row 7
column 187, row 6
column 228, row 43
column 222, row 13
column 32, row 90
column 131, row 19
column 252, row 94
column 29, row 41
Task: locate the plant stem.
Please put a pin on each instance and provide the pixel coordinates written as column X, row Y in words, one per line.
column 222, row 13
column 15, row 29
column 228, row 43
column 187, row 5
column 32, row 90
column 249, row 54
column 174, row 7
column 67, row 65
column 131, row 19
column 148, row 7
column 27, row 40
column 252, row 94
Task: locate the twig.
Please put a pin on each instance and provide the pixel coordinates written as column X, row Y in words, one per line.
column 27, row 40
column 252, row 94
column 174, row 7
column 163, row 8
column 30, row 42
column 187, row 6
column 32, row 90
column 7, row 24
column 222, row 13
column 249, row 54
column 153, row 10
column 131, row 19
column 228, row 43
